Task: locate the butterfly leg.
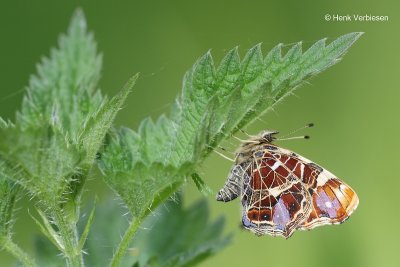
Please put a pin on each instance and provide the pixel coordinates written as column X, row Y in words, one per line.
column 232, row 186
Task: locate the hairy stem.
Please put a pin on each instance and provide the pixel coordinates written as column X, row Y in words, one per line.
column 70, row 238
column 123, row 245
column 17, row 252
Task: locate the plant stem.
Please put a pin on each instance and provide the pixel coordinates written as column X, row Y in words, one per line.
column 17, row 252
column 123, row 245
column 69, row 235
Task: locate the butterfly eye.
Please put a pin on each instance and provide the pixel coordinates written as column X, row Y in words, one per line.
column 259, row 154
column 254, row 216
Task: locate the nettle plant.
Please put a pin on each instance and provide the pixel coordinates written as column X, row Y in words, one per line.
column 64, row 131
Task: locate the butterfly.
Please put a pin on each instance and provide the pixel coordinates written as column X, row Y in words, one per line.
column 282, row 191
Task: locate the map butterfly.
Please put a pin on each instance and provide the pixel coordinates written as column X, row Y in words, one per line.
column 282, row 191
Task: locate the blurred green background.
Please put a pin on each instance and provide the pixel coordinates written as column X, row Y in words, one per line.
column 355, row 104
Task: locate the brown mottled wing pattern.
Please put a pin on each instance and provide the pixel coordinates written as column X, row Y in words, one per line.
column 333, row 203
column 285, row 192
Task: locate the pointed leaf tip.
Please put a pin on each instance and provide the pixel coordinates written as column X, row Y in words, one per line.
column 206, row 58
column 130, row 83
column 78, row 20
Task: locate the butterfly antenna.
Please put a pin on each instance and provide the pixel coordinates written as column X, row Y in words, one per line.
column 225, row 157
column 226, row 150
column 240, row 140
column 308, row 125
column 294, row 137
column 221, row 154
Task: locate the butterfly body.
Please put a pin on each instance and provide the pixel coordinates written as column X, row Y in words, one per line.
column 282, row 191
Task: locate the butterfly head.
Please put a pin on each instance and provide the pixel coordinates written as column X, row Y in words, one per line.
column 268, row 136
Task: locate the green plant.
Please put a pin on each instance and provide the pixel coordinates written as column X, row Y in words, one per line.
column 65, row 128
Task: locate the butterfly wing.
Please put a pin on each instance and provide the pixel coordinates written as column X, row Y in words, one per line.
column 333, row 201
column 288, row 192
column 275, row 201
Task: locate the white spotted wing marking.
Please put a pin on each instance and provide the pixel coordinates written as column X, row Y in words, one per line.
column 276, row 165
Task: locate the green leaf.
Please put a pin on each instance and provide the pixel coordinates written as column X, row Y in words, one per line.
column 59, row 101
column 58, row 132
column 194, row 236
column 175, row 236
column 63, row 120
column 46, row 158
column 214, row 104
column 96, row 127
column 8, row 195
column 148, row 186
column 146, row 167
column 91, row 140
column 141, row 190
column 63, row 90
